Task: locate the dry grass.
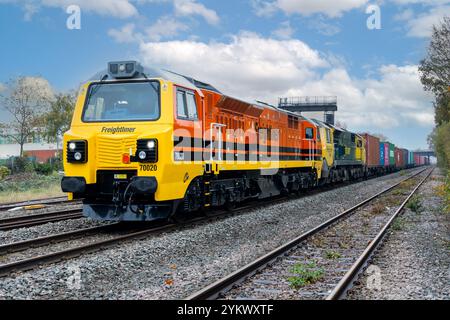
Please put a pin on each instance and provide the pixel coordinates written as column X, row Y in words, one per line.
column 53, row 190
column 378, row 208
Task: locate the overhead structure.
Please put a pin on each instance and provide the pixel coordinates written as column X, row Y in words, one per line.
column 325, row 104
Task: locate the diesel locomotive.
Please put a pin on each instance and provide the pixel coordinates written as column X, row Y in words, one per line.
column 147, row 144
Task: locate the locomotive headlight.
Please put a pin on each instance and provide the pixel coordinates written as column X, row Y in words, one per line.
column 72, row 146
column 77, row 151
column 142, row 155
column 146, row 150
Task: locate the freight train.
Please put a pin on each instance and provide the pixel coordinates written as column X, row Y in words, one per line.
column 148, row 144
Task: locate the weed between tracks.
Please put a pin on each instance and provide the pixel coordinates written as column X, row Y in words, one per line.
column 305, row 273
column 414, row 204
column 378, row 208
column 398, row 224
column 332, row 255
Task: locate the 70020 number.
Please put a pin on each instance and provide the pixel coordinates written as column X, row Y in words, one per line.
column 149, row 167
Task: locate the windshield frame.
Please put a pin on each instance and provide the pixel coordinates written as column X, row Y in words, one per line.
column 88, row 92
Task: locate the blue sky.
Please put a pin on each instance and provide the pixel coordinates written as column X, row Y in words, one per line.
column 252, row 49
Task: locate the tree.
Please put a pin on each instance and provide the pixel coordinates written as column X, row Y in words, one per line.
column 57, row 120
column 442, row 109
column 435, row 77
column 435, row 68
column 26, row 99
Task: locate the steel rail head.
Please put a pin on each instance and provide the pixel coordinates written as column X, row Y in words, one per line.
column 22, row 245
column 215, row 289
column 38, row 221
column 9, row 205
column 354, row 270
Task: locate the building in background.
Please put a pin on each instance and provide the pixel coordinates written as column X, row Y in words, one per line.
column 36, row 147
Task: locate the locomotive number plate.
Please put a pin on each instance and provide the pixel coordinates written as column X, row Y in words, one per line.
column 120, row 176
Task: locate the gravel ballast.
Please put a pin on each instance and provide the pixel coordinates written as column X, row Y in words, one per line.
column 414, row 262
column 176, row 263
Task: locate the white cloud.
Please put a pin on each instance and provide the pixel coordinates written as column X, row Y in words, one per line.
column 285, row 31
column 291, row 68
column 165, row 27
column 423, row 2
column 191, row 8
column 331, row 8
column 126, row 34
column 246, row 66
column 321, row 26
column 421, row 25
column 405, row 15
column 116, row 8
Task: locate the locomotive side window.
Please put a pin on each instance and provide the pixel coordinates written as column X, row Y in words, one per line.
column 328, row 135
column 191, row 106
column 181, row 106
column 309, row 133
column 186, row 106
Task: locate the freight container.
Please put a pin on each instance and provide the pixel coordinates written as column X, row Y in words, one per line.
column 398, row 158
column 416, row 159
column 391, row 154
column 381, row 153
column 405, row 157
column 372, row 150
column 386, row 154
column 411, row 158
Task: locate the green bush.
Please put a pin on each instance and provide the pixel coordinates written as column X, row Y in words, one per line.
column 43, row 168
column 441, row 143
column 20, row 165
column 4, row 172
column 55, row 163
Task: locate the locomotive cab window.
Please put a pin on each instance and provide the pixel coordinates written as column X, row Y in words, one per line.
column 328, row 135
column 186, row 106
column 309, row 133
column 122, row 101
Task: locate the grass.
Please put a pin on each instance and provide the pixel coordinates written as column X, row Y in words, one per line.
column 378, row 208
column 332, row 255
column 29, row 186
column 305, row 273
column 414, row 204
column 398, row 224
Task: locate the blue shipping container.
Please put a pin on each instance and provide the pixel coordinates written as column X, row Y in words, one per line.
column 381, row 153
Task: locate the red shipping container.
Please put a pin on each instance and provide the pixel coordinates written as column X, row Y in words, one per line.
column 372, row 150
column 416, row 159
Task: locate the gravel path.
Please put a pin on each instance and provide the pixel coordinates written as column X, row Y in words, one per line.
column 174, row 264
column 414, row 263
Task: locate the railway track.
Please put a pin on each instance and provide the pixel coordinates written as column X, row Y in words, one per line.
column 321, row 263
column 35, row 261
column 37, row 219
column 47, row 201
